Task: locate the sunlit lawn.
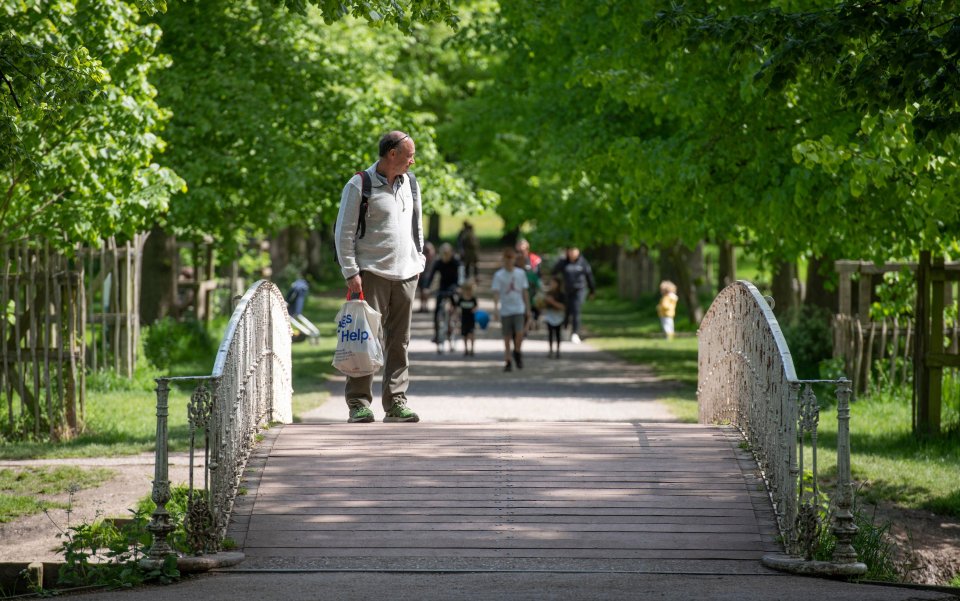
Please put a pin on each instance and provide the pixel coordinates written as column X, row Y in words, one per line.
column 631, row 330
column 488, row 226
column 892, row 463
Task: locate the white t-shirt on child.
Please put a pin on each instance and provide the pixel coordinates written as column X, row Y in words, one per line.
column 510, row 285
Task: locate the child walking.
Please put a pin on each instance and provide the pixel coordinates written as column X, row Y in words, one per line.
column 468, row 308
column 512, row 303
column 667, row 308
column 554, row 311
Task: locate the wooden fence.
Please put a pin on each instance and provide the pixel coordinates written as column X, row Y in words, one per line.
column 113, row 275
column 880, row 352
column 61, row 315
column 42, row 380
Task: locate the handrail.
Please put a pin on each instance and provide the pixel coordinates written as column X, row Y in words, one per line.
column 746, row 378
column 250, row 386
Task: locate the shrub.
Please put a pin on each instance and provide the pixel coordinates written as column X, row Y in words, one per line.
column 169, row 342
column 809, row 337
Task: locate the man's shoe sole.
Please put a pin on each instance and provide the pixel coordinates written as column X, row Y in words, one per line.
column 360, row 420
column 411, row 419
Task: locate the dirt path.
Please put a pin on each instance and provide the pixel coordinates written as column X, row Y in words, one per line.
column 35, row 537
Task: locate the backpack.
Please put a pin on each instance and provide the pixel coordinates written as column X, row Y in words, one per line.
column 366, row 187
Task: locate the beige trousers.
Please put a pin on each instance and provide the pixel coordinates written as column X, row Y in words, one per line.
column 394, row 300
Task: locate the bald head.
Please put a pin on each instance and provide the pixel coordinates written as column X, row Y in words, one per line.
column 392, row 140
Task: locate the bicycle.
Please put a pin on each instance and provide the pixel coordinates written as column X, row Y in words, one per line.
column 444, row 320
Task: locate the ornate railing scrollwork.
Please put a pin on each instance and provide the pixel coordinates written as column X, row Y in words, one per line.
column 746, row 378
column 250, row 387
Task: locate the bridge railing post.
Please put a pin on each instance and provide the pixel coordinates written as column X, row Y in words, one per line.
column 844, row 527
column 160, row 526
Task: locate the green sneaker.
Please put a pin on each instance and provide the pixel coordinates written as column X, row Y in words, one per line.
column 401, row 413
column 360, row 414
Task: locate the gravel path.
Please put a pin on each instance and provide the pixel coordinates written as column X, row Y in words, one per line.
column 585, row 384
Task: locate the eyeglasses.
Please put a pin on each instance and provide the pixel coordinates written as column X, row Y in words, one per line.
column 395, row 144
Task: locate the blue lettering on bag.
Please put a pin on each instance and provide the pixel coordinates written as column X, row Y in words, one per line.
column 345, row 322
column 354, row 336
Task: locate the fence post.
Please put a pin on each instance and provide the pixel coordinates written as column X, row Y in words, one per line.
column 843, row 527
column 160, row 525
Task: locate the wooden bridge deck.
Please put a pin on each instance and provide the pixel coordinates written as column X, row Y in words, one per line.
column 527, row 496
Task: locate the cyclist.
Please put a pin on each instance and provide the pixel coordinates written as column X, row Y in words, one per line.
column 451, row 276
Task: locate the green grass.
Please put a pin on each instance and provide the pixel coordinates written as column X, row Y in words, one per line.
column 20, row 487
column 488, row 227
column 312, row 362
column 890, row 461
column 631, row 330
column 120, row 422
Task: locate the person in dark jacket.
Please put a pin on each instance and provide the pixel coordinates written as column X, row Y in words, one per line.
column 577, row 284
column 450, row 271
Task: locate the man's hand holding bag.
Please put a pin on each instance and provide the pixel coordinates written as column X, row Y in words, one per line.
column 359, row 352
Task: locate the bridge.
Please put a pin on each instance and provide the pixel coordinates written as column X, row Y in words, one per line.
column 570, row 468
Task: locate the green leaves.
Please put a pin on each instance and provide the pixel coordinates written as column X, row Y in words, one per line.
column 401, row 13
column 738, row 121
column 79, row 122
column 273, row 112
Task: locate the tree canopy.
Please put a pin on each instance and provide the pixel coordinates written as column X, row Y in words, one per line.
column 258, row 105
column 79, row 121
column 796, row 128
column 283, row 111
column 620, row 121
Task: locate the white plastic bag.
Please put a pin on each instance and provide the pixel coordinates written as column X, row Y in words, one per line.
column 359, row 352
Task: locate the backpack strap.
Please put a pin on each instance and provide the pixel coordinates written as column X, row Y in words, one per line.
column 417, row 210
column 365, row 191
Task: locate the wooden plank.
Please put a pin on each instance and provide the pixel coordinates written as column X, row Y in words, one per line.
column 265, row 509
column 496, row 540
column 307, row 552
column 452, row 500
column 346, row 521
column 494, row 480
column 292, row 525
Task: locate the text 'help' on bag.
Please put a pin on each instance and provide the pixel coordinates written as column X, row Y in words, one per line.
column 359, row 352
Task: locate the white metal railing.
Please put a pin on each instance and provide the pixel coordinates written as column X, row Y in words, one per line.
column 250, row 387
column 746, row 378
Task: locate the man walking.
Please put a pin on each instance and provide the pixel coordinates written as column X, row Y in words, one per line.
column 577, row 284
column 379, row 239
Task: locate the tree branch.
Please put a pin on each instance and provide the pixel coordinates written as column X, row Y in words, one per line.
column 37, row 211
column 13, row 93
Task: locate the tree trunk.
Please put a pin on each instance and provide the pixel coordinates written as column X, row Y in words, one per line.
column 635, row 275
column 289, row 248
column 433, row 228
column 783, row 287
column 160, row 260
column 726, row 265
column 316, row 256
column 687, row 264
column 820, row 273
column 698, row 269
column 280, row 252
